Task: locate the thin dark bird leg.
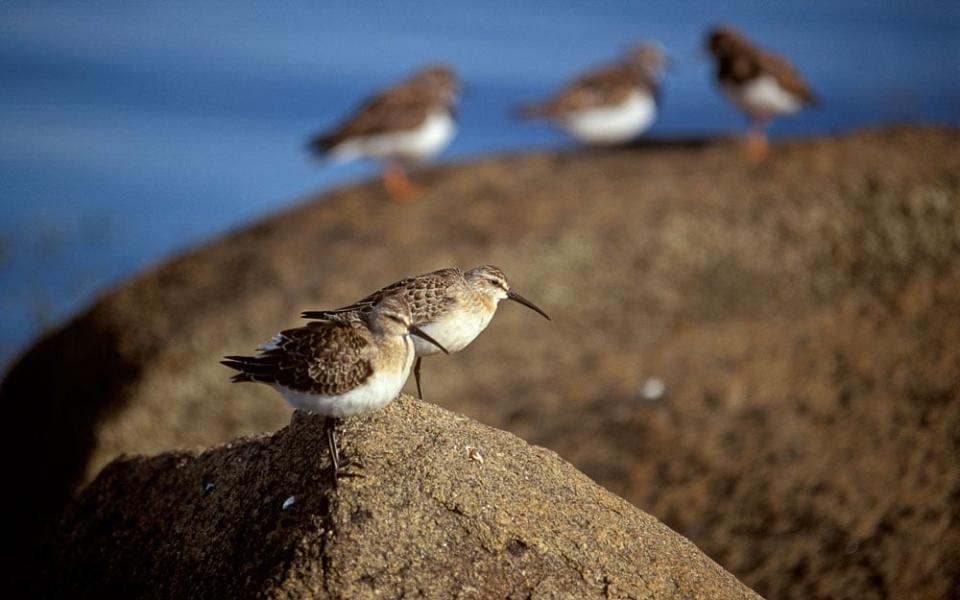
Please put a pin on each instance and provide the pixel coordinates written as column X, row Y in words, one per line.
column 416, row 375
column 340, row 464
column 331, row 427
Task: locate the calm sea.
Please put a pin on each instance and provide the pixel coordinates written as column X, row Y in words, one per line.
column 133, row 130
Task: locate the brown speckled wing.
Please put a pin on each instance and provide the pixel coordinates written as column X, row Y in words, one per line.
column 786, row 75
column 327, row 358
column 431, row 294
column 601, row 87
column 402, row 107
column 428, row 296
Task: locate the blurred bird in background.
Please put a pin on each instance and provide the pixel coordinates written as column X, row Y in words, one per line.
column 399, row 127
column 759, row 83
column 610, row 104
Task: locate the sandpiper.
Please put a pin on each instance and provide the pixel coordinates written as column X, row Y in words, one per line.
column 758, row 82
column 451, row 305
column 399, row 127
column 611, row 104
column 338, row 369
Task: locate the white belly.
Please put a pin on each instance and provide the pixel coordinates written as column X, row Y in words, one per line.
column 454, row 332
column 763, row 97
column 613, row 124
column 380, row 389
column 414, row 144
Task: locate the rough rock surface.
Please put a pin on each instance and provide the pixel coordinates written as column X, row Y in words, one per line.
column 446, row 508
column 802, row 315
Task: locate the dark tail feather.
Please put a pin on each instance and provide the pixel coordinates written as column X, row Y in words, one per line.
column 235, row 362
column 238, row 363
column 320, row 144
column 255, row 366
column 323, row 315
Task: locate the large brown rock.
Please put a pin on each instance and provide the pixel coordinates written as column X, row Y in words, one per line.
column 446, row 508
column 802, row 314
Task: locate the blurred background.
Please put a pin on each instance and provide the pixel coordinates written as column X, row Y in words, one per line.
column 130, row 131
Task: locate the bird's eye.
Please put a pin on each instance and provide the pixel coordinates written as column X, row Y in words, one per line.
column 495, row 282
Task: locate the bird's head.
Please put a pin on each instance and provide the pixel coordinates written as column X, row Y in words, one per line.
column 490, row 281
column 725, row 41
column 440, row 80
column 392, row 317
column 648, row 59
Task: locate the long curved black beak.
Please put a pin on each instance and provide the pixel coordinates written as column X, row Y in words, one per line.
column 518, row 298
column 419, row 333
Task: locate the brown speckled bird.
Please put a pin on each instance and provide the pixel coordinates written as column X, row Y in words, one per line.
column 399, row 127
column 611, row 104
column 338, row 369
column 758, row 82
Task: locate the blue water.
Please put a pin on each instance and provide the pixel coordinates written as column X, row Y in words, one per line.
column 130, row 131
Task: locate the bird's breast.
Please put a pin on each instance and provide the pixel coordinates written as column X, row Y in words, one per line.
column 614, row 123
column 454, row 331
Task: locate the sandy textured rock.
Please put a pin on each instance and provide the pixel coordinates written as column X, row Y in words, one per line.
column 429, row 519
column 802, row 315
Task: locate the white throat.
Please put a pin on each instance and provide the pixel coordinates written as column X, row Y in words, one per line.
column 456, row 328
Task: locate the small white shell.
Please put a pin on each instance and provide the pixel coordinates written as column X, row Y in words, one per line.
column 475, row 454
column 289, row 502
column 653, row 388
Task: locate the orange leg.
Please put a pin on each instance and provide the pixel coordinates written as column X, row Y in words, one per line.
column 756, row 148
column 398, row 187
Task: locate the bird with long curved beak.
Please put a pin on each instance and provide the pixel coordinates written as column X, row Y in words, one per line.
column 337, row 369
column 450, row 305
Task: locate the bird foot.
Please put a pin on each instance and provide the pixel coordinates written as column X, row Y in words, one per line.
column 755, row 148
column 340, row 469
column 399, row 187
